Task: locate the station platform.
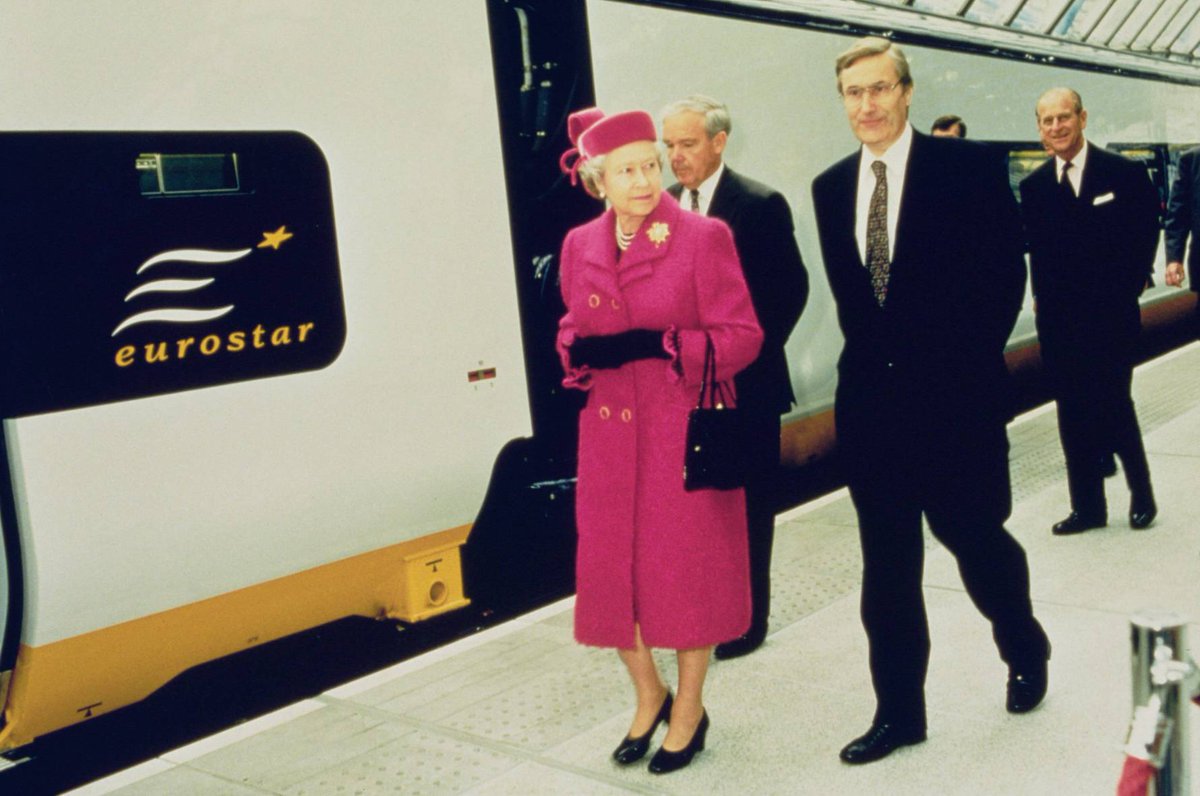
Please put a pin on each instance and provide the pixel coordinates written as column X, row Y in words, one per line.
column 523, row 709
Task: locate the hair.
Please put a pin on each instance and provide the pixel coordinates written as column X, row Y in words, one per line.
column 1074, row 95
column 874, row 45
column 716, row 114
column 589, row 174
column 591, row 170
column 948, row 121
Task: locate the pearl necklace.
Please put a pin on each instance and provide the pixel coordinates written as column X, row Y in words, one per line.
column 623, row 240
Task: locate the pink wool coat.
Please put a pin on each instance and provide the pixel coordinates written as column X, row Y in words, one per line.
column 674, row 562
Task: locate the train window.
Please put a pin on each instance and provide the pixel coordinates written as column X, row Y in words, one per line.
column 161, row 174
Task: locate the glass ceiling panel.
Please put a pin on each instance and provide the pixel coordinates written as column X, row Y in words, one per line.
column 992, row 12
column 1160, row 38
column 1134, row 23
column 1081, row 17
column 950, row 7
column 1157, row 24
column 1039, row 16
column 1111, row 21
column 1186, row 15
column 1189, row 39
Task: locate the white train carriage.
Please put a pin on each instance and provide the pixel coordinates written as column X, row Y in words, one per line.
column 154, row 532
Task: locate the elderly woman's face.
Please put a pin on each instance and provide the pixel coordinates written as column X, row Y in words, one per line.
column 632, row 179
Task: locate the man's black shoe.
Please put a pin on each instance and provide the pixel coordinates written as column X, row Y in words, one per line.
column 1142, row 514
column 1077, row 523
column 1027, row 684
column 880, row 741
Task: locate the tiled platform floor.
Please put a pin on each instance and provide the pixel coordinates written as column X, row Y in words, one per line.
column 524, row 710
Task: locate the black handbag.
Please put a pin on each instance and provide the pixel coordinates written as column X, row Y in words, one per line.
column 716, row 456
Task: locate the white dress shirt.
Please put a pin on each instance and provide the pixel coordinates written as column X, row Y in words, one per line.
column 1075, row 175
column 706, row 189
column 895, row 159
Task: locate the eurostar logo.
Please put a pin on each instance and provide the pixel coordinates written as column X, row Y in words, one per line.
column 259, row 336
column 195, row 257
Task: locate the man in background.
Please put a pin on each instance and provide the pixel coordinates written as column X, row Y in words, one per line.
column 1182, row 223
column 949, row 126
column 1091, row 218
column 695, row 131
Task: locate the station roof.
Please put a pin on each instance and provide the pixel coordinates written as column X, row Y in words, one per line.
column 1149, row 38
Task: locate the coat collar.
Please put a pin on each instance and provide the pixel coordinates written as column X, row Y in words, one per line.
column 653, row 241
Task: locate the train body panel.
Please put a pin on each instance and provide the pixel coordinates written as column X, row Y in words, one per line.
column 139, row 513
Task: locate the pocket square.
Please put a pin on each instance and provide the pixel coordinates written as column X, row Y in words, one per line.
column 1104, row 198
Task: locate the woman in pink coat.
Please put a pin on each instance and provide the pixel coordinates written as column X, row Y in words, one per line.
column 646, row 285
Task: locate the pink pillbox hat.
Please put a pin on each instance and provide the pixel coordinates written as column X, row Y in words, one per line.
column 594, row 134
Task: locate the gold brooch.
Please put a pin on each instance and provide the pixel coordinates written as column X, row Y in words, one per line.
column 658, row 233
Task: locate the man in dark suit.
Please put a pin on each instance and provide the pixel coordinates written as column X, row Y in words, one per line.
column 1091, row 218
column 1183, row 221
column 695, row 131
column 927, row 293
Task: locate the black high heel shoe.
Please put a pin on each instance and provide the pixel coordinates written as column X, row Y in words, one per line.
column 665, row 762
column 632, row 749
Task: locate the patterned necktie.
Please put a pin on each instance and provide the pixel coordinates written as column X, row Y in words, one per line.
column 878, row 262
column 1065, row 182
column 695, row 199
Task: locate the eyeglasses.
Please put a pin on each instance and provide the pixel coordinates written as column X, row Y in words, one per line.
column 854, row 94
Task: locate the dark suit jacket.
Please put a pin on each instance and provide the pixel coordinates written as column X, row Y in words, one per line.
column 918, row 377
column 763, row 233
column 1183, row 215
column 1089, row 256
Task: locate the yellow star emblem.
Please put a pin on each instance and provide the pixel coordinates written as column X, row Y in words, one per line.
column 658, row 233
column 275, row 239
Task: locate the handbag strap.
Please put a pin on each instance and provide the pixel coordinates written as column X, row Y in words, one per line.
column 712, row 392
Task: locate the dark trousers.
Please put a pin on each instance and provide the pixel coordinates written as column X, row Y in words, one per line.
column 966, row 497
column 1096, row 416
column 763, row 442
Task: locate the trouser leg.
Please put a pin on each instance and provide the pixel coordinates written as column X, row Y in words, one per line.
column 1083, row 444
column 763, row 433
column 967, row 504
column 1127, row 435
column 893, row 606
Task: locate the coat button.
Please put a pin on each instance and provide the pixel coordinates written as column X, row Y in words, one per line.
column 605, row 413
column 616, row 305
column 626, row 415
column 593, row 301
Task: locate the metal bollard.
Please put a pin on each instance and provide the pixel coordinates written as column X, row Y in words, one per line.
column 1164, row 681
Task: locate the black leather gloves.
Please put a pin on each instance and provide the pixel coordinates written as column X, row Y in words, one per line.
column 614, row 350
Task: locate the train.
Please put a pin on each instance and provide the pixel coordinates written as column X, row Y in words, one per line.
column 278, row 293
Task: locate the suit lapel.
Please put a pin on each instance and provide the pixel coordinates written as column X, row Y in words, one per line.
column 918, row 180
column 725, row 195
column 1095, row 176
column 844, row 209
